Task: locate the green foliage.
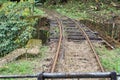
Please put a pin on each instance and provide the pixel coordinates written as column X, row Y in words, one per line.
column 38, row 11
column 103, row 13
column 22, row 67
column 110, row 59
column 43, row 50
column 2, row 1
column 73, row 9
column 15, row 28
column 81, row 9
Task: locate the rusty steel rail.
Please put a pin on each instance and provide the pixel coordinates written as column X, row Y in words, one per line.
column 91, row 45
column 108, row 44
column 60, row 41
column 58, row 47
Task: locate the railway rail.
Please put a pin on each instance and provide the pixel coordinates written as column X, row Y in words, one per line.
column 71, row 31
column 91, row 46
column 58, row 47
column 74, row 32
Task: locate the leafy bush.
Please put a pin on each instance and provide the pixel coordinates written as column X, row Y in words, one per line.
column 15, row 28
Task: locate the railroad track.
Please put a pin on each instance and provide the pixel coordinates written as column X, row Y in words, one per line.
column 74, row 46
column 91, row 45
column 58, row 47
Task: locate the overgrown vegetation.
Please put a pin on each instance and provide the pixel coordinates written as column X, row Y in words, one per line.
column 21, row 67
column 24, row 65
column 73, row 9
column 17, row 21
column 43, row 50
column 103, row 15
column 101, row 12
column 2, row 1
column 110, row 59
column 16, row 25
column 80, row 9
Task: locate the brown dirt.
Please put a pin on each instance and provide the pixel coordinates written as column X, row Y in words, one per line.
column 78, row 58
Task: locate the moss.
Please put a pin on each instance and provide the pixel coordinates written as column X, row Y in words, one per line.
column 34, row 42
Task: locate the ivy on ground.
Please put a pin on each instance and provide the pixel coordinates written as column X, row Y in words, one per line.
column 15, row 28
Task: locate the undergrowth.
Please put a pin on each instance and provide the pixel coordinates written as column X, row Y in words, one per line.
column 110, row 59
column 43, row 50
column 81, row 10
column 17, row 25
column 21, row 67
column 24, row 65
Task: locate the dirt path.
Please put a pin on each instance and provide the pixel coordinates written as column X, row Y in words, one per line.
column 78, row 58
